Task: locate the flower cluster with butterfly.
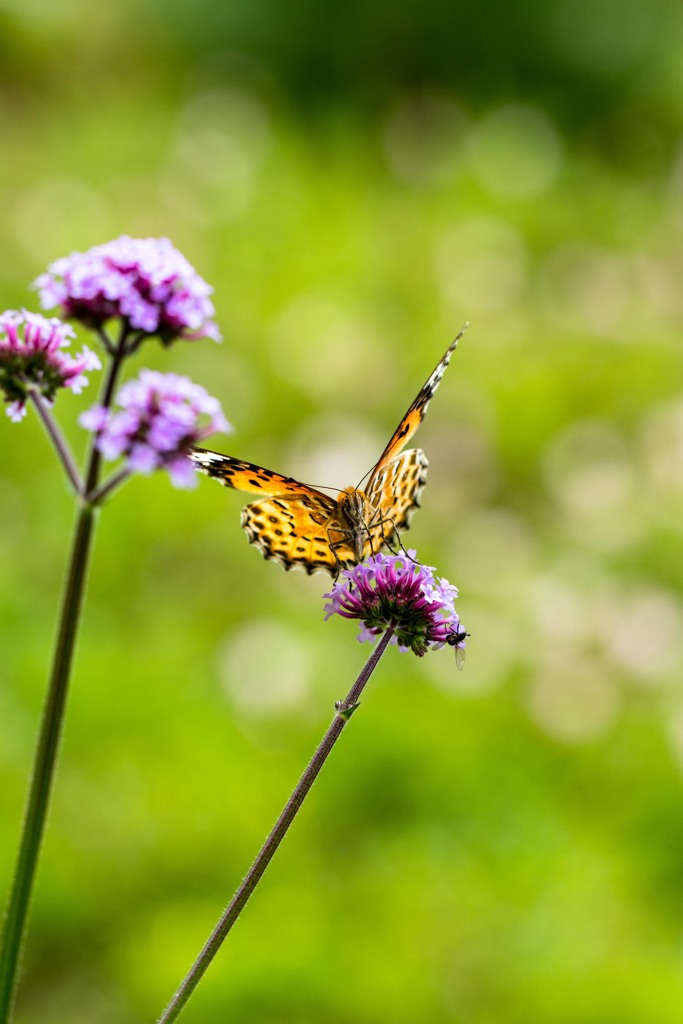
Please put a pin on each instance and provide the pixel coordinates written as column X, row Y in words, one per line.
column 397, row 592
column 127, row 292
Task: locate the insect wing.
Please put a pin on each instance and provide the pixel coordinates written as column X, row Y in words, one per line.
column 416, row 413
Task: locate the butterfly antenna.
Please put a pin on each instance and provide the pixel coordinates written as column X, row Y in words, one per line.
column 363, row 478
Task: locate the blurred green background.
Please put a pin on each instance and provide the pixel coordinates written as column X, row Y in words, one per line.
column 497, row 845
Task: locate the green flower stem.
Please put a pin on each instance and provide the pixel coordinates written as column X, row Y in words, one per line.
column 98, row 495
column 52, row 723
column 343, row 711
column 58, row 440
column 44, row 765
column 118, row 355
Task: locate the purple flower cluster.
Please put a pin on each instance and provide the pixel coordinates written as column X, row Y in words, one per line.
column 160, row 416
column 395, row 591
column 144, row 281
column 31, row 359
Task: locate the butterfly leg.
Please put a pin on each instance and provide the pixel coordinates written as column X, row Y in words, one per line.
column 378, row 522
column 402, row 547
column 341, row 538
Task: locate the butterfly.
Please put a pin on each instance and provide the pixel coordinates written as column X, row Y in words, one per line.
column 302, row 528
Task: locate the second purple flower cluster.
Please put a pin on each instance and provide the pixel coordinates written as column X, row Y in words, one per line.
column 159, row 416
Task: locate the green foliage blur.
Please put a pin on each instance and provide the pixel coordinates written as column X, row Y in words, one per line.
column 491, row 846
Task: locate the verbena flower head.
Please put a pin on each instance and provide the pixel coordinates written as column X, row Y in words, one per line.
column 395, row 590
column 32, row 358
column 159, row 416
column 145, row 282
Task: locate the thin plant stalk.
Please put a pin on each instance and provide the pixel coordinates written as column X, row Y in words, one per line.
column 44, row 765
column 98, row 495
column 343, row 711
column 52, row 721
column 58, row 440
column 112, row 375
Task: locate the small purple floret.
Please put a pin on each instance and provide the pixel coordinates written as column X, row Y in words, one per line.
column 159, row 417
column 145, row 282
column 396, row 591
column 31, row 359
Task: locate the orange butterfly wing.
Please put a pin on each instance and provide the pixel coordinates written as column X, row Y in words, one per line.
column 394, row 493
column 397, row 480
column 416, row 413
column 245, row 476
column 292, row 524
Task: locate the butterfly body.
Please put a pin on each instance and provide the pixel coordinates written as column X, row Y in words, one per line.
column 299, row 526
column 354, row 520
